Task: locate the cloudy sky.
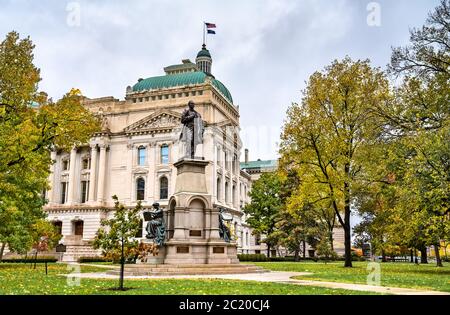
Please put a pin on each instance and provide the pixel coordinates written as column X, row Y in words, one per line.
column 264, row 50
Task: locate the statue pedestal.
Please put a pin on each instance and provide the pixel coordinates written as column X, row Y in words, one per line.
column 154, row 260
column 193, row 226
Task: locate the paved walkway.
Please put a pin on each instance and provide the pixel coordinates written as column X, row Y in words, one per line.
column 278, row 277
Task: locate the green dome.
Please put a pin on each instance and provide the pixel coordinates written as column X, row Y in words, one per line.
column 179, row 79
column 204, row 53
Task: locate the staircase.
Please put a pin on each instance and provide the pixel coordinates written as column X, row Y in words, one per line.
column 198, row 269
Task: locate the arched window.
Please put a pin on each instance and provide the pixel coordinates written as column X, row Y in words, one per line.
column 140, row 189
column 219, row 188
column 226, row 192
column 163, row 188
column 234, row 195
column 64, row 189
column 165, row 154
column 141, row 155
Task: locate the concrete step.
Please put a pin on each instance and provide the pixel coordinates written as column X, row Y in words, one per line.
column 161, row 270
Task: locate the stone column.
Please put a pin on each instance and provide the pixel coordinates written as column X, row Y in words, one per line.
column 214, row 177
column 179, row 224
column 93, row 174
column 238, row 191
column 51, row 191
column 222, row 197
column 152, row 179
column 101, row 173
column 230, row 184
column 71, row 192
column 130, row 156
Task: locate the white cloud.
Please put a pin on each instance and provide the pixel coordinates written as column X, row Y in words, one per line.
column 263, row 50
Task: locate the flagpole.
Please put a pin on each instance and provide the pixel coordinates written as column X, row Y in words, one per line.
column 204, row 27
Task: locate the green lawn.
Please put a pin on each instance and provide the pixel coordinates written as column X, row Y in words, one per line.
column 392, row 274
column 20, row 279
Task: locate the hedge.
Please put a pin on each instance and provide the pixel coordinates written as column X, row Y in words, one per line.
column 262, row 257
column 252, row 257
column 92, row 259
column 42, row 259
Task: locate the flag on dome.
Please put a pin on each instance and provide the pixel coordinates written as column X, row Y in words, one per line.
column 211, row 32
column 210, row 25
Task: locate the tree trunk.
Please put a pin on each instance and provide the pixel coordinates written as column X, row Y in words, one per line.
column 423, row 255
column 304, row 249
column 411, row 255
column 268, row 251
column 348, row 248
column 35, row 259
column 296, row 256
column 122, row 267
column 2, row 249
column 330, row 239
column 438, row 256
column 347, row 227
column 383, row 256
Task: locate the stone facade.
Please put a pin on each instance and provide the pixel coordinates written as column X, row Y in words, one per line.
column 133, row 157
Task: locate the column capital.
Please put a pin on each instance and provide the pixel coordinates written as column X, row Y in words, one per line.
column 103, row 146
column 93, row 145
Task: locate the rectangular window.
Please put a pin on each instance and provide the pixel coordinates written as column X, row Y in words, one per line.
column 64, row 187
column 65, row 165
column 78, row 228
column 86, row 164
column 165, row 154
column 141, row 156
column 84, row 191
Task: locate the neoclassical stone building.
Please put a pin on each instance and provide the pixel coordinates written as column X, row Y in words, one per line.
column 133, row 156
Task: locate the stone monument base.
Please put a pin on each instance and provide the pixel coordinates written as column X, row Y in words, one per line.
column 186, row 269
column 200, row 252
column 150, row 258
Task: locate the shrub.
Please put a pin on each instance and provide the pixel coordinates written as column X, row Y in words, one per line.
column 252, row 257
column 42, row 259
column 91, row 259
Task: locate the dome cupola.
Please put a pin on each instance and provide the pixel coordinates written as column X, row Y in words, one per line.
column 204, row 60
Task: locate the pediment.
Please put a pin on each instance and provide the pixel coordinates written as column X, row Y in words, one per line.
column 159, row 121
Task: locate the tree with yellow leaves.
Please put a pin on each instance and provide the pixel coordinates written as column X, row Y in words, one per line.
column 31, row 126
column 327, row 137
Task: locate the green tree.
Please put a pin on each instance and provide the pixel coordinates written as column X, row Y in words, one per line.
column 264, row 207
column 327, row 136
column 418, row 123
column 32, row 125
column 116, row 236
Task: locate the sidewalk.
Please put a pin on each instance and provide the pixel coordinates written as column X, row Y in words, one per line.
column 278, row 277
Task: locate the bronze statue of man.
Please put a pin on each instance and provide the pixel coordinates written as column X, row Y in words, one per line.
column 192, row 132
